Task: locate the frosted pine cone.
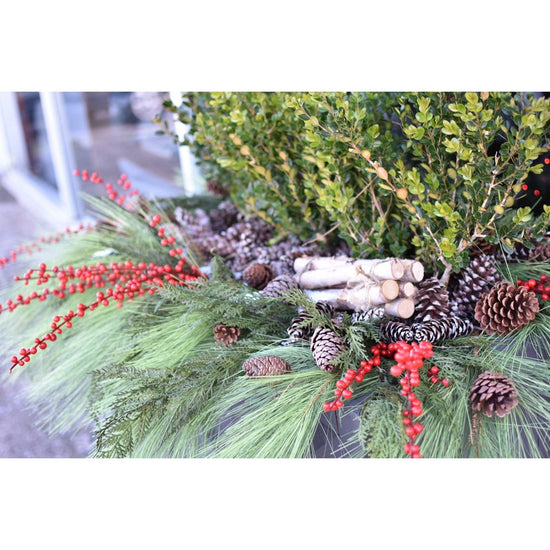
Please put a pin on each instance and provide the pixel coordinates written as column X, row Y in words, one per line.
column 471, row 283
column 437, row 330
column 373, row 314
column 267, row 365
column 279, row 286
column 506, row 308
column 225, row 334
column 431, row 301
column 301, row 327
column 396, row 331
column 493, row 393
column 326, row 345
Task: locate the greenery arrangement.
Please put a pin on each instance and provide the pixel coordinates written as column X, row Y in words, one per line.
column 383, row 171
column 181, row 329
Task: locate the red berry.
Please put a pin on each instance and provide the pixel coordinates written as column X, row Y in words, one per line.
column 445, row 382
column 409, row 430
column 346, row 394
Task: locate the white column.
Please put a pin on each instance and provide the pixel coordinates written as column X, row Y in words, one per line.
column 193, row 182
column 62, row 155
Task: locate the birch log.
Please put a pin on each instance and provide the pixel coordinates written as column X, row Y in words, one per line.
column 317, row 268
column 414, row 271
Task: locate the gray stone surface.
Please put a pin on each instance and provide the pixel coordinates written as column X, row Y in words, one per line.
column 19, row 435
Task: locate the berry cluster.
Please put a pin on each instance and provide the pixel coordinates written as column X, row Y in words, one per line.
column 122, row 281
column 165, row 240
column 112, row 193
column 542, row 286
column 409, row 359
column 343, row 390
column 434, row 378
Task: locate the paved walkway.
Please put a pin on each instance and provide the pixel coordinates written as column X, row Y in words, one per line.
column 19, row 437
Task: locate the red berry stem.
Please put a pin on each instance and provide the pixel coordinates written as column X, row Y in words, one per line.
column 33, row 247
column 112, row 193
column 409, row 359
column 170, row 241
column 71, row 281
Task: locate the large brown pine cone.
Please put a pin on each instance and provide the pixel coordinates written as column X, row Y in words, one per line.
column 431, row 300
column 326, row 345
column 225, row 334
column 267, row 365
column 493, row 393
column 506, row 308
column 257, row 275
column 466, row 288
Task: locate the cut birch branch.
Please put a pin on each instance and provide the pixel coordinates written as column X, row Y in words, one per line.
column 407, row 290
column 402, row 307
column 388, row 268
column 414, row 271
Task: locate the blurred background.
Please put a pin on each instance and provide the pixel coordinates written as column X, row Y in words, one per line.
column 44, row 137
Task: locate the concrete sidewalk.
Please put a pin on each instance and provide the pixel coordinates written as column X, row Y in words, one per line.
column 19, row 437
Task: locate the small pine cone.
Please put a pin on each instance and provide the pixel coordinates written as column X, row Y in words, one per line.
column 301, row 326
column 225, row 334
column 216, row 188
column 279, row 285
column 267, row 365
column 431, row 301
column 395, row 331
column 493, row 393
column 257, row 275
column 326, row 345
column 505, row 308
column 471, row 284
column 436, row 330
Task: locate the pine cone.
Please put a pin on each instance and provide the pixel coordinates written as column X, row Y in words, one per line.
column 396, row 331
column 505, row 308
column 541, row 253
column 482, row 247
column 279, row 285
column 493, row 392
column 431, row 301
column 226, row 335
column 326, row 345
column 434, row 330
column 267, row 365
column 301, row 326
column 373, row 314
column 471, row 284
column 257, row 275
column 437, row 330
